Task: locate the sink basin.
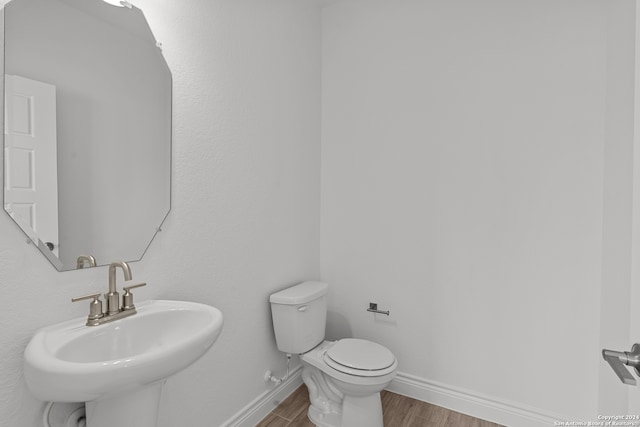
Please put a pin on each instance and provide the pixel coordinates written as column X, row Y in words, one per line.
column 117, row 361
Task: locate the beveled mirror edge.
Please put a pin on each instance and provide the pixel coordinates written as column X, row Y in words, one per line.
column 168, row 69
column 40, row 245
column 2, row 103
column 164, row 218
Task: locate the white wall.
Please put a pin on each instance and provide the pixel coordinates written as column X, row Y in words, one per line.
column 618, row 214
column 462, row 189
column 245, row 208
column 634, row 335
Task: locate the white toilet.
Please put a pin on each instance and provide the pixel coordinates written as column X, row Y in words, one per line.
column 344, row 377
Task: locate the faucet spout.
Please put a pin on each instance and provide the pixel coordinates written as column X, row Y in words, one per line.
column 126, row 270
column 114, row 310
column 88, row 259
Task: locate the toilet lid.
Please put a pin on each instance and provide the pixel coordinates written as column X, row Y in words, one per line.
column 361, row 355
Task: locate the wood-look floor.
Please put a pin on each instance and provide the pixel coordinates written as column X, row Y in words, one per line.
column 398, row 411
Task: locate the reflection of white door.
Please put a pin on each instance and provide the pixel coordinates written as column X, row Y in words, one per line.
column 31, row 183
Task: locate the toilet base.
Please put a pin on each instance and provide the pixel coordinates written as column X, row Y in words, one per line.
column 338, row 399
column 356, row 412
column 362, row 411
column 322, row 419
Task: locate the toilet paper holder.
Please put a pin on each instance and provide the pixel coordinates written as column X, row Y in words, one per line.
column 617, row 360
column 373, row 307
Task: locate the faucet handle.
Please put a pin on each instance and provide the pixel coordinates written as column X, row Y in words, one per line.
column 127, row 296
column 95, row 307
column 137, row 285
column 94, row 296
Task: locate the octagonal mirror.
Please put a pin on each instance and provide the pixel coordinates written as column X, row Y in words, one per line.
column 87, row 129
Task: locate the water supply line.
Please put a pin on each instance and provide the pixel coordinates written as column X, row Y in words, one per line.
column 268, row 376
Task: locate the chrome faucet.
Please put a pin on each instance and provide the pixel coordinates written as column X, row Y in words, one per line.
column 80, row 262
column 112, row 297
column 113, row 310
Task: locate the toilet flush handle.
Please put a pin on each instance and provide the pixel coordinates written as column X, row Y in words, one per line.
column 302, row 308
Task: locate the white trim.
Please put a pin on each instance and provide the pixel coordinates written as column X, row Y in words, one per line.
column 488, row 408
column 471, row 403
column 261, row 406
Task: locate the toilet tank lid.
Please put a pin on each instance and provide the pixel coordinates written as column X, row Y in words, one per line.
column 300, row 294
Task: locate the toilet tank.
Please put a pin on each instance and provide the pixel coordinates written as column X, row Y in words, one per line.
column 299, row 316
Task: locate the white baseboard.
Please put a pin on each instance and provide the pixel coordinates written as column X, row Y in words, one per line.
column 260, row 407
column 477, row 405
column 499, row 411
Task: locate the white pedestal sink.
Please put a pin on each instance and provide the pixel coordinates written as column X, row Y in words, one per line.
column 118, row 368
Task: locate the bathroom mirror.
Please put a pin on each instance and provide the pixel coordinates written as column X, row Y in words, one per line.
column 87, row 129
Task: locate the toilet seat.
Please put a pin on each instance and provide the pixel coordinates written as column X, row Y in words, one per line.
column 360, row 357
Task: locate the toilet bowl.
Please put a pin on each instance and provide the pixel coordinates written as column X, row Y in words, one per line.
column 344, row 386
column 344, row 377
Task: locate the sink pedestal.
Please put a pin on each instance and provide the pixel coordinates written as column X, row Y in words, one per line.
column 127, row 408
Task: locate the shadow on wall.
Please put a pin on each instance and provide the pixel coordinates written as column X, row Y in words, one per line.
column 337, row 326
